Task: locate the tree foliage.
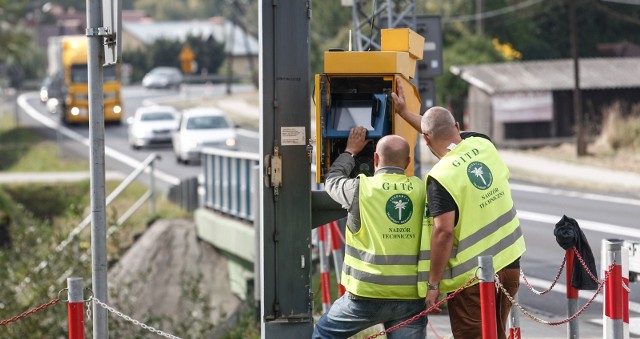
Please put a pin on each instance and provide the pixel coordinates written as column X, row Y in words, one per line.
column 164, row 52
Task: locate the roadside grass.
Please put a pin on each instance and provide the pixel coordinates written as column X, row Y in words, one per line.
column 63, row 206
column 22, row 149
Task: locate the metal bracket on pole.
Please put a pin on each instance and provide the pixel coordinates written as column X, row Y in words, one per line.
column 97, row 31
column 105, row 32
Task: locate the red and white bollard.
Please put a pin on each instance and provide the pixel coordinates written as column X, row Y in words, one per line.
column 334, row 230
column 573, row 329
column 487, row 297
column 616, row 299
column 75, row 308
column 324, row 269
column 514, row 321
column 625, row 292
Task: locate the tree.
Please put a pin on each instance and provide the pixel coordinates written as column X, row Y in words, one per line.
column 467, row 49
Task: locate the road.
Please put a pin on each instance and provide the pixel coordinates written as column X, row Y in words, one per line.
column 601, row 216
column 119, row 156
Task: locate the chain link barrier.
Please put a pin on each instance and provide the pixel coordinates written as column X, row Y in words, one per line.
column 131, row 320
column 564, row 321
column 584, row 264
column 555, row 280
column 30, row 312
column 423, row 313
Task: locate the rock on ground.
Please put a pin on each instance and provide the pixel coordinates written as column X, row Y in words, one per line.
column 155, row 271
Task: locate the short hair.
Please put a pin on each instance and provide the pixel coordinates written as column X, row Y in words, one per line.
column 393, row 150
column 437, row 122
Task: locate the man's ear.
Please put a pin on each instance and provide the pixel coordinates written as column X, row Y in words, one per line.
column 376, row 159
column 408, row 162
column 458, row 126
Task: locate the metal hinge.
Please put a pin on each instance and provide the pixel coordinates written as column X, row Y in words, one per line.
column 310, row 149
column 273, row 171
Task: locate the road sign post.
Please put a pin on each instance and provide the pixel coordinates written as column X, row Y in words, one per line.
column 112, row 23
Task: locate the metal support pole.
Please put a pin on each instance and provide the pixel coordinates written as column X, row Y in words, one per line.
column 573, row 328
column 96, row 135
column 256, row 185
column 152, row 188
column 487, row 297
column 613, row 323
column 75, row 308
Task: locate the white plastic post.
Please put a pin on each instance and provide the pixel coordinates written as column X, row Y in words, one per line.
column 514, row 322
column 625, row 292
column 613, row 327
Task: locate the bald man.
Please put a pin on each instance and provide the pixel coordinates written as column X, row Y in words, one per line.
column 470, row 213
column 384, row 223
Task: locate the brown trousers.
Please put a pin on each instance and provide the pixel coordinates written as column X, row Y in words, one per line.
column 464, row 308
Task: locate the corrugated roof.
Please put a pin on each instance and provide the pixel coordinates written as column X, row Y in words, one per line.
column 148, row 32
column 596, row 73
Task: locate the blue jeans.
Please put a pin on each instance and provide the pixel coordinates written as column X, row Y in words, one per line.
column 347, row 317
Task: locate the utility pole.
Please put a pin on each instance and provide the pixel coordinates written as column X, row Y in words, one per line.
column 367, row 22
column 581, row 145
column 98, row 204
column 286, row 192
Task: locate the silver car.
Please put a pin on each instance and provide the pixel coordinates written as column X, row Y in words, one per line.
column 202, row 127
column 151, row 125
column 163, row 77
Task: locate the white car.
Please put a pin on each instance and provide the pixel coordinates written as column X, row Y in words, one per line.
column 151, row 125
column 202, row 127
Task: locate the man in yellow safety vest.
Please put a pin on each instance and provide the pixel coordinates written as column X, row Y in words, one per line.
column 469, row 212
column 382, row 242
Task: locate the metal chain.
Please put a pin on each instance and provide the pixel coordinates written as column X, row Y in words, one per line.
column 564, row 321
column 626, row 287
column 133, row 321
column 552, row 284
column 584, row 264
column 423, row 313
column 434, row 331
column 30, row 312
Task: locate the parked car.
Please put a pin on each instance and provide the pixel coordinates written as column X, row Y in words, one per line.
column 163, row 77
column 152, row 125
column 202, row 127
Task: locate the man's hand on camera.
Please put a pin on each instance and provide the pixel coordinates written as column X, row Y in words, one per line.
column 399, row 103
column 356, row 141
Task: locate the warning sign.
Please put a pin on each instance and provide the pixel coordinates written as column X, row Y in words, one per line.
column 292, row 136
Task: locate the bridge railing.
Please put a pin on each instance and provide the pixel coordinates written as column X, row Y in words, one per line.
column 228, row 184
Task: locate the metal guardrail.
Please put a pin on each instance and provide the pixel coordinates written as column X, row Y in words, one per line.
column 228, row 181
column 228, row 186
column 147, row 165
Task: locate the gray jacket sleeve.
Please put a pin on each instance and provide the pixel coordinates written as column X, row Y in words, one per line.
column 344, row 190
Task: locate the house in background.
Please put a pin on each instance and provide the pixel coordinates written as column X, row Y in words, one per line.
column 239, row 45
column 528, row 104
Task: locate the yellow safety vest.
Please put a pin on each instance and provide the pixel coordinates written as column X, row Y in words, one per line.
column 381, row 258
column 478, row 180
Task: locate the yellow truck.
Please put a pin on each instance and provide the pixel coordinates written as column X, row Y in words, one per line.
column 68, row 91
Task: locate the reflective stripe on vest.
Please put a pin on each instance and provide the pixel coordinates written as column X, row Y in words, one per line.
column 477, row 179
column 381, row 258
